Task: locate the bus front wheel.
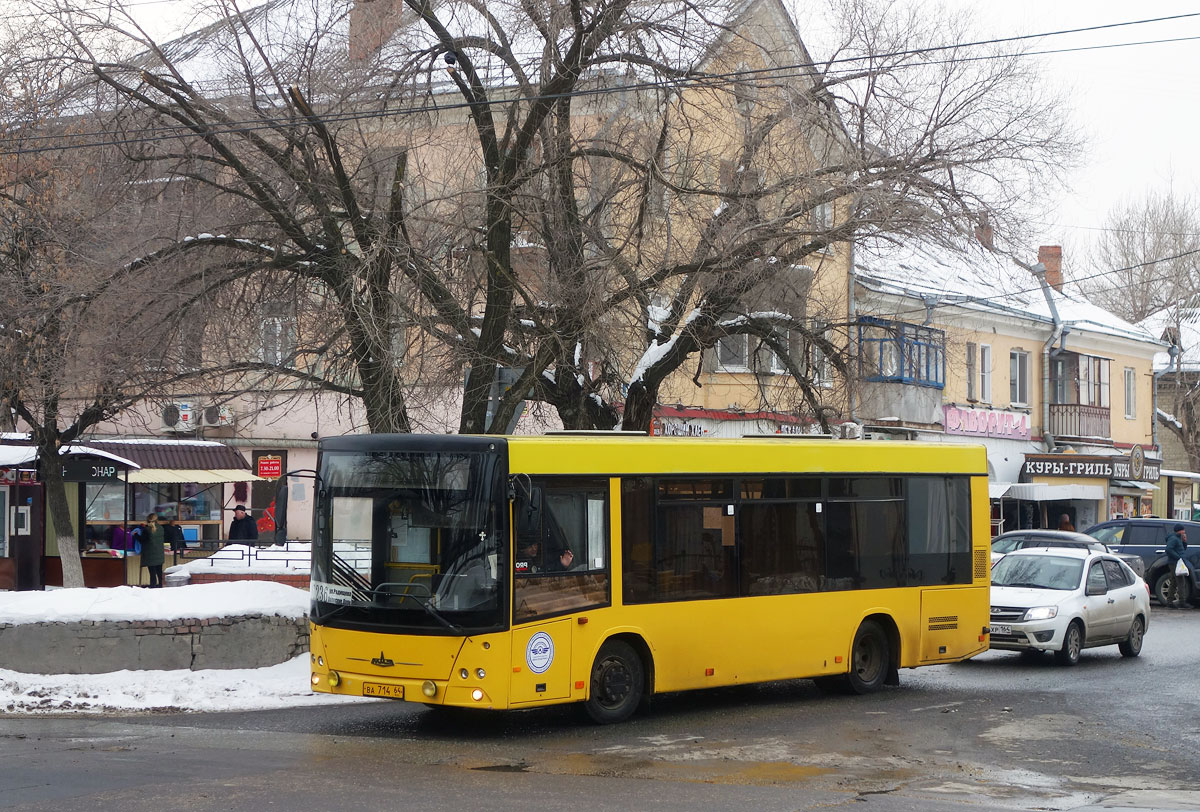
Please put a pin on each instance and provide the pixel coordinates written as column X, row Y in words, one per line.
column 869, row 659
column 617, row 683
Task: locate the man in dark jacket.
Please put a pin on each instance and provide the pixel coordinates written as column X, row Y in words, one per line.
column 1176, row 544
column 242, row 528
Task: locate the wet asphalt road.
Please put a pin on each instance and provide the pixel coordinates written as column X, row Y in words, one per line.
column 999, row 732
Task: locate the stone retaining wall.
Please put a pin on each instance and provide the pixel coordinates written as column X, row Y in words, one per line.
column 199, row 576
column 100, row 646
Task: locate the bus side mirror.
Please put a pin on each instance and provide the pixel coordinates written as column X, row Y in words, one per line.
column 281, row 501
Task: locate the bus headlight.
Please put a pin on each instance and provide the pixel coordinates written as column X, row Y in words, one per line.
column 429, row 688
column 480, row 673
column 316, row 679
column 464, row 673
column 477, row 695
column 334, row 679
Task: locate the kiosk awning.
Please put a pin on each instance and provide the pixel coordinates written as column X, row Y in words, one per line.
column 1040, row 492
column 158, row 476
column 1131, row 484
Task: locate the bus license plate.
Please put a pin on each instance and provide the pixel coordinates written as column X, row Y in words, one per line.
column 1000, row 629
column 381, row 690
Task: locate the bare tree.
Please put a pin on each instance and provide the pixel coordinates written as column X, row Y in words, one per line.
column 1147, row 257
column 71, row 355
column 589, row 196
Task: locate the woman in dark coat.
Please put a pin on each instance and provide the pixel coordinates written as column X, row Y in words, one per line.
column 152, row 549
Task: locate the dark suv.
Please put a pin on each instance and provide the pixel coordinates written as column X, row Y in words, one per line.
column 1148, row 538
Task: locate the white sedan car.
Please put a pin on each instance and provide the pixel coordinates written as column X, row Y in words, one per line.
column 1066, row 600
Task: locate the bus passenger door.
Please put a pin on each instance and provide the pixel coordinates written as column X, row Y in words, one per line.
column 541, row 662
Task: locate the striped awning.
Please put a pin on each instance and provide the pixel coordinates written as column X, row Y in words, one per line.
column 201, row 476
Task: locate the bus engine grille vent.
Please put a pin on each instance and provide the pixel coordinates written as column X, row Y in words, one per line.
column 945, row 623
column 982, row 558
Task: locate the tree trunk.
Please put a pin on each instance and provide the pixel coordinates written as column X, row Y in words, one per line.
column 60, row 515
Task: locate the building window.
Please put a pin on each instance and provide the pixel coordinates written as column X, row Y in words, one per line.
column 776, row 363
column 1093, row 381
column 971, row 366
column 1130, row 393
column 733, row 354
column 278, row 328
column 899, row 352
column 1018, row 378
column 985, row 373
column 822, row 217
column 820, row 369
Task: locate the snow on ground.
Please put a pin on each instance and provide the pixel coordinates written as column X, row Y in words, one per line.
column 136, row 603
column 283, row 685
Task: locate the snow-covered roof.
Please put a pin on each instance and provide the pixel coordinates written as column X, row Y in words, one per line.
column 973, row 278
column 294, row 34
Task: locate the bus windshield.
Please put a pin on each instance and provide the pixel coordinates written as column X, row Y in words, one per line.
column 410, row 542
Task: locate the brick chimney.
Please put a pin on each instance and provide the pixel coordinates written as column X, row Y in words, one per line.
column 372, row 23
column 1051, row 257
column 985, row 234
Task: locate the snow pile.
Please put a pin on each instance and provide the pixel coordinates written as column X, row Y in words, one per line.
column 279, row 686
column 135, row 603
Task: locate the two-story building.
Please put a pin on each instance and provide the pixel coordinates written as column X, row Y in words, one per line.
column 969, row 345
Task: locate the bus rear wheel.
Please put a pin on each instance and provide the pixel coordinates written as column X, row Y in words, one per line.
column 870, row 658
column 618, row 683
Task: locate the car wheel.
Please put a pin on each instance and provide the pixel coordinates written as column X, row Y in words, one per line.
column 1131, row 646
column 1162, row 586
column 618, row 682
column 1072, row 645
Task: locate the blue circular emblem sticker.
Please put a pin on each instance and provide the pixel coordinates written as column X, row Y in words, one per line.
column 539, row 654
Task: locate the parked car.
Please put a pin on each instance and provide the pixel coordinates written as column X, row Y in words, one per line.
column 1148, row 539
column 1065, row 600
column 1024, row 539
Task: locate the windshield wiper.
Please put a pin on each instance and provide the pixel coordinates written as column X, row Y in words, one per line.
column 424, row 601
column 1027, row 584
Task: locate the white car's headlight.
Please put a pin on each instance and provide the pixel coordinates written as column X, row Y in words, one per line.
column 1041, row 613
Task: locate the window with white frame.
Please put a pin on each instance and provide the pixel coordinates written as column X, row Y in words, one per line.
column 733, row 353
column 1130, row 393
column 971, row 368
column 776, row 363
column 1093, row 381
column 278, row 330
column 1018, row 378
column 985, row 373
column 820, row 368
column 822, row 216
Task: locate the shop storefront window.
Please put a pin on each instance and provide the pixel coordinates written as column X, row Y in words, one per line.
column 184, row 502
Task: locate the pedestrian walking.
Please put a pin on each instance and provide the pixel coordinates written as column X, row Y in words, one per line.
column 1177, row 586
column 173, row 533
column 153, row 538
column 243, row 527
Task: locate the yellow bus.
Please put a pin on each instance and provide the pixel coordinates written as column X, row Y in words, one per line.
column 515, row 572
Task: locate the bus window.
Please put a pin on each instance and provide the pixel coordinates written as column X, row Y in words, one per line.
column 637, row 543
column 561, row 561
column 939, row 531
column 782, row 547
column 696, row 554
